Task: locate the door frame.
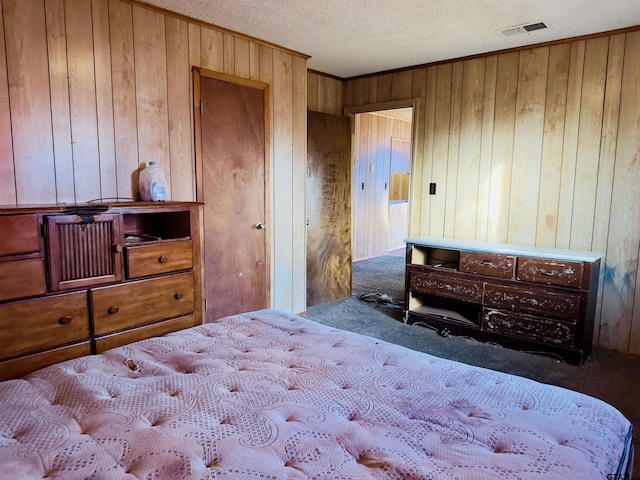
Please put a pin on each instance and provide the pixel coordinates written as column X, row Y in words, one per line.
column 199, row 73
column 351, row 112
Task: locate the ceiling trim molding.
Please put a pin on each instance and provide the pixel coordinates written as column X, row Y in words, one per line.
column 322, row 74
column 201, row 23
column 495, row 52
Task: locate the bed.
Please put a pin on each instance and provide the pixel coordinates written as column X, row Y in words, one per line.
column 268, row 395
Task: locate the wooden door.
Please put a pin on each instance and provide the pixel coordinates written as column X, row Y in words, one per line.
column 328, row 208
column 232, row 186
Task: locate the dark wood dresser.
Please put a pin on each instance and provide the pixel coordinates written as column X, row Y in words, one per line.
column 526, row 298
column 81, row 279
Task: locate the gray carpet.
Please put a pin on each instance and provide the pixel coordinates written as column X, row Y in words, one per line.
column 610, row 376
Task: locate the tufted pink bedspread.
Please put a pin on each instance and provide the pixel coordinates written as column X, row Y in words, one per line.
column 267, row 395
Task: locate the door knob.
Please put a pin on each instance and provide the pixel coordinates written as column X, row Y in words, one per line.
column 260, row 226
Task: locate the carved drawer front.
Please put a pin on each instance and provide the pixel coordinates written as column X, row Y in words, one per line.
column 35, row 325
column 144, row 260
column 492, row 264
column 535, row 300
column 20, row 234
column 529, row 326
column 554, row 272
column 448, row 285
column 133, row 304
column 22, row 278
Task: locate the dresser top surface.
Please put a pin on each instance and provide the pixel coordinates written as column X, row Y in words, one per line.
column 95, row 205
column 506, row 249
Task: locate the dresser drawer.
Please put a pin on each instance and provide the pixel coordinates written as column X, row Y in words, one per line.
column 553, row 272
column 129, row 305
column 22, row 278
column 529, row 326
column 20, row 234
column 492, row 264
column 34, row 325
column 19, row 367
column 145, row 260
column 140, row 333
column 540, row 301
column 446, row 285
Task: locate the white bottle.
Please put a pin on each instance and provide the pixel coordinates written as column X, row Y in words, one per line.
column 153, row 185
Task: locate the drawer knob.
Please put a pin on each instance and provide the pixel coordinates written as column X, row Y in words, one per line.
column 116, row 248
column 65, row 320
column 163, row 259
column 113, row 310
column 178, row 295
column 547, row 273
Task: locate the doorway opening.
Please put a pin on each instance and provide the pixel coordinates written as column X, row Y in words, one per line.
column 358, row 192
column 383, row 161
column 382, row 158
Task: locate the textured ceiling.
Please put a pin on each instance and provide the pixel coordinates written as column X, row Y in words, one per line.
column 347, row 38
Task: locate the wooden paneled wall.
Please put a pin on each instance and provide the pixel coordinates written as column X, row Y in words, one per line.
column 534, row 147
column 92, row 89
column 324, row 94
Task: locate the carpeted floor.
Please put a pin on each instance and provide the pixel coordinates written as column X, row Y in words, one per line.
column 610, row 376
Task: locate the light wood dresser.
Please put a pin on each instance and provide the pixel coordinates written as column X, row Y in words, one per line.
column 82, row 279
column 527, row 298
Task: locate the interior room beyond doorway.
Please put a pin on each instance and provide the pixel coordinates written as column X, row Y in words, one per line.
column 381, row 176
